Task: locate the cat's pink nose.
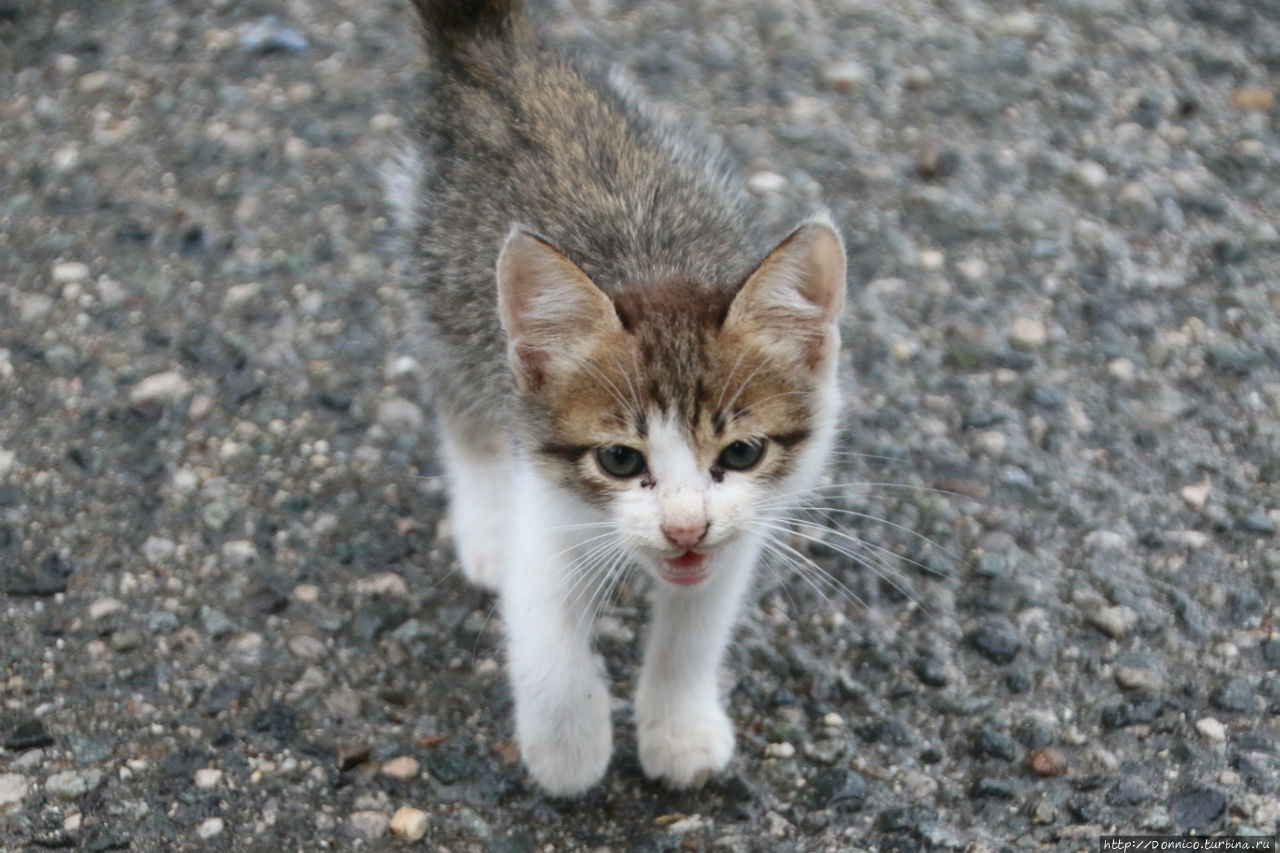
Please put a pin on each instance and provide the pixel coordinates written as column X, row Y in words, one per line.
column 685, row 535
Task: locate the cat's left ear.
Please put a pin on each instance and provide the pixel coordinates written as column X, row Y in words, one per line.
column 552, row 311
column 794, row 299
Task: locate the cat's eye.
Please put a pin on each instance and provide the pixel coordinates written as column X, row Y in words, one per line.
column 621, row 461
column 741, row 455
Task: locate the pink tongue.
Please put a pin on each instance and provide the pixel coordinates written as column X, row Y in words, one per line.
column 687, row 561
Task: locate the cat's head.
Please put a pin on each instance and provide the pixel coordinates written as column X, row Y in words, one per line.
column 678, row 409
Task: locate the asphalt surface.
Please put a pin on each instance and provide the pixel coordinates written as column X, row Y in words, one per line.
column 229, row 608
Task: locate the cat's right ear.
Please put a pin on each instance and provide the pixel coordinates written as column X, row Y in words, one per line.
column 551, row 310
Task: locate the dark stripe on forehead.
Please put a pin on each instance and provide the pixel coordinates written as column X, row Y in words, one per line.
column 790, row 439
column 565, row 452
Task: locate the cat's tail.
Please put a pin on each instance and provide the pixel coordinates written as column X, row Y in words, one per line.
column 452, row 26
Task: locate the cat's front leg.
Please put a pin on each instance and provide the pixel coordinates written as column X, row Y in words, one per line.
column 685, row 737
column 562, row 702
column 480, row 472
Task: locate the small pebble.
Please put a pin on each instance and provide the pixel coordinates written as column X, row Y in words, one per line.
column 1104, row 540
column 208, row 777
column 1115, row 622
column 238, row 553
column 1197, row 495
column 990, row 442
column 1047, row 762
column 1092, row 175
column 844, row 76
column 13, row 789
column 402, row 768
column 156, row 550
column 210, row 828
column 931, row 260
column 160, row 388
column 69, row 271
column 1028, row 333
column 306, row 647
column 384, row 583
column 1121, row 370
column 1253, row 98
column 409, row 823
column 1133, row 678
column 1211, row 730
column 780, row 750
column 104, row 607
column 372, row 825
column 67, row 785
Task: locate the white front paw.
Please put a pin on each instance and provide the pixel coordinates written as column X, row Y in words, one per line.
column 567, row 750
column 684, row 750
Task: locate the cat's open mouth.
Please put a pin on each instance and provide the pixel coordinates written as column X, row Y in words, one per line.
column 686, row 569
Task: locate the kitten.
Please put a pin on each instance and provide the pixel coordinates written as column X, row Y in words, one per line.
column 622, row 376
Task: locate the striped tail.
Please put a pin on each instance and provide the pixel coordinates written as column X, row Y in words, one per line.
column 449, row 24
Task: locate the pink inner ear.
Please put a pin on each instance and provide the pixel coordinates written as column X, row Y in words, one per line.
column 547, row 305
column 796, row 295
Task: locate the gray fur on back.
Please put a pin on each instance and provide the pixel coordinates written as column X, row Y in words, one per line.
column 513, row 133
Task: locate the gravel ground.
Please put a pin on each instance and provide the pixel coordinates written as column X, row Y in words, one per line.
column 229, row 616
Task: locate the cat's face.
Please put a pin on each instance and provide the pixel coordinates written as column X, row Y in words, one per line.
column 677, row 410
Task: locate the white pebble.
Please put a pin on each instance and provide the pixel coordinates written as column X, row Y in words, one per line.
column 1211, row 729
column 779, row 750
column 306, row 647
column 1028, row 333
column 13, row 789
column 844, row 76
column 306, row 593
column 156, row 550
column 246, row 648
column 1104, row 540
column 1018, row 24
column 1226, row 650
column 409, row 823
column 238, row 553
column 210, row 828
column 991, row 442
column 766, row 183
column 33, row 307
column 1116, row 621
column 8, row 461
column 1092, row 175
column 931, row 260
column 160, row 388
column 1196, row 496
column 384, row 583
column 104, row 607
column 69, row 271
column 208, row 777
column 403, row 768
column 238, row 295
column 370, row 824
column 974, row 269
column 1121, row 370
column 95, row 81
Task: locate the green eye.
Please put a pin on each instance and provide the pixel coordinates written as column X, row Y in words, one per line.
column 741, row 455
column 621, row 461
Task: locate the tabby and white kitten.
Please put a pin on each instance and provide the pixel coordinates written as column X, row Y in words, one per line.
column 622, row 377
